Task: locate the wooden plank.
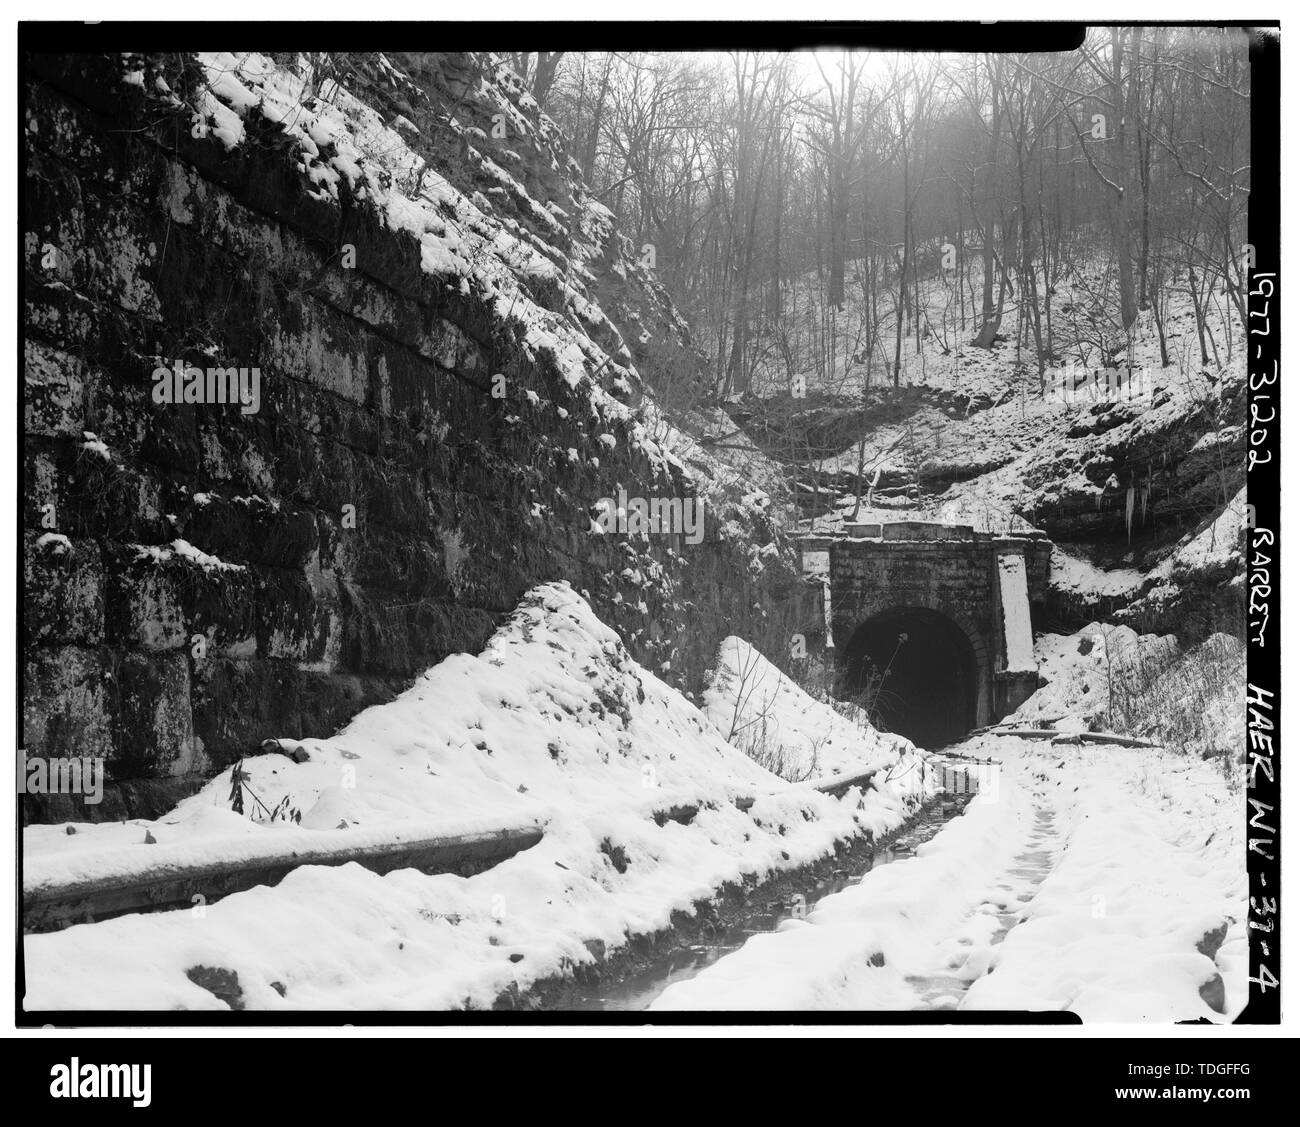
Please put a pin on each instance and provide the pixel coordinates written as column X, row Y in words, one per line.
column 57, row 905
column 838, row 787
column 963, row 758
column 1014, row 725
column 1058, row 737
column 1102, row 738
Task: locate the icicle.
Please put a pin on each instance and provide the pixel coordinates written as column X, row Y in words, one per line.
column 1128, row 513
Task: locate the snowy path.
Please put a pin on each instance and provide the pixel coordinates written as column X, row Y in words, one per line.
column 1092, row 880
column 1141, row 918
column 861, row 948
column 971, row 947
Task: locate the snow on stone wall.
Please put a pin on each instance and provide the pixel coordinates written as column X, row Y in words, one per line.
column 443, row 397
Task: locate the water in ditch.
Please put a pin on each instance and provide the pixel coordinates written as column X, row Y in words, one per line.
column 636, row 991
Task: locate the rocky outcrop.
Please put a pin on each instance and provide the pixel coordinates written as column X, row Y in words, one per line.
column 457, row 359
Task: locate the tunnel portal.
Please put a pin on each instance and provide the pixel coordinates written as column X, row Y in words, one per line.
column 914, row 670
column 963, row 596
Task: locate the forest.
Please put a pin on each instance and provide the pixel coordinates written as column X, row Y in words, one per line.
column 764, row 185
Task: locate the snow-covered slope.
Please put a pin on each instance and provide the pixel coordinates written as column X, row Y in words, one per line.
column 1190, row 700
column 552, row 723
column 1129, row 479
column 1107, row 881
column 762, row 711
column 484, row 225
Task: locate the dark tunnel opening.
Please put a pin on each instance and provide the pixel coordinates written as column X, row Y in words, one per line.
column 914, row 670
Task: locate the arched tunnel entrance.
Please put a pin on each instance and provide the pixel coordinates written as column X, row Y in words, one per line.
column 915, row 670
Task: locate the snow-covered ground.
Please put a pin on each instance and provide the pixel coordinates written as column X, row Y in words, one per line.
column 1082, row 578
column 1083, row 878
column 1112, row 678
column 1104, row 880
column 857, row 948
column 1107, row 881
column 553, row 723
column 1012, row 449
column 762, row 711
column 1151, row 864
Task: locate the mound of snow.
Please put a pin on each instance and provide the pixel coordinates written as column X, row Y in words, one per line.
column 1111, row 677
column 762, row 711
column 1085, row 672
column 1215, row 547
column 552, row 722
